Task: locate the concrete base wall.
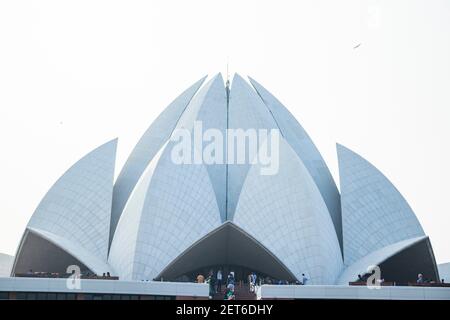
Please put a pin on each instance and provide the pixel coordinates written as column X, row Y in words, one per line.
column 266, row 292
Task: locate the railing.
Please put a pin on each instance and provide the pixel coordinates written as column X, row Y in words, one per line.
column 409, row 284
column 431, row 284
column 364, row 283
column 59, row 276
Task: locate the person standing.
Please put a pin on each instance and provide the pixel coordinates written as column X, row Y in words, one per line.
column 211, row 282
column 231, row 280
column 229, row 293
column 304, row 279
column 219, row 281
column 252, row 281
column 200, row 278
column 420, row 278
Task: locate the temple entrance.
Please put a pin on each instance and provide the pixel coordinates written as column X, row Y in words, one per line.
column 231, row 249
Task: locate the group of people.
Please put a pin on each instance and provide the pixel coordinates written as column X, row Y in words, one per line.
column 216, row 281
column 303, row 281
column 422, row 280
column 84, row 275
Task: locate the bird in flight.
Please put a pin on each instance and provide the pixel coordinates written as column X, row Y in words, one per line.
column 357, row 46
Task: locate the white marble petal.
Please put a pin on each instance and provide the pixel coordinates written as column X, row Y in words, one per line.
column 287, row 214
column 374, row 213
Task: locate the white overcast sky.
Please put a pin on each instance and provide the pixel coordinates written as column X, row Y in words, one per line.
column 75, row 74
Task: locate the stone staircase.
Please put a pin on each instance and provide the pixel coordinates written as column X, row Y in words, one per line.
column 241, row 292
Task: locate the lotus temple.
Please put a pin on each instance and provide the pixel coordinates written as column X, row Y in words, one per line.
column 148, row 233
